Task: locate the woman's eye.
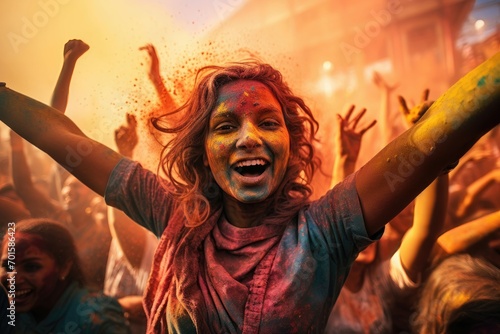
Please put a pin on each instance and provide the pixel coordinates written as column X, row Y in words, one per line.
column 224, row 127
column 31, row 267
column 270, row 124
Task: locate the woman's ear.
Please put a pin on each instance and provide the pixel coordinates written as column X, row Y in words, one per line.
column 205, row 161
column 65, row 270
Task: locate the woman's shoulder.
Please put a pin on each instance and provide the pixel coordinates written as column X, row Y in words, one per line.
column 95, row 312
column 97, row 300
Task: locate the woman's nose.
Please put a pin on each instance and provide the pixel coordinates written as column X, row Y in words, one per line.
column 249, row 137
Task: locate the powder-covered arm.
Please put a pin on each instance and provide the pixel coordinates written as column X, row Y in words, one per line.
column 469, row 109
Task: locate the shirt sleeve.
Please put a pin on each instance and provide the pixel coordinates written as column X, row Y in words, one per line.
column 141, row 194
column 338, row 224
column 398, row 274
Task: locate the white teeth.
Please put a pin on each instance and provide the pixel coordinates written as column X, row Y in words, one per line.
column 255, row 162
column 22, row 292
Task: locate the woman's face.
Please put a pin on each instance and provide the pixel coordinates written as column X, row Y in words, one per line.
column 38, row 283
column 247, row 145
column 75, row 194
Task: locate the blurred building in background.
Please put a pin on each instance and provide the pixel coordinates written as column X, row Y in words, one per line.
column 480, row 35
column 348, row 40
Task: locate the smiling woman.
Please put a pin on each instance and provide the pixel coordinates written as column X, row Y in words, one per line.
column 50, row 296
column 247, row 116
column 242, row 249
column 247, row 145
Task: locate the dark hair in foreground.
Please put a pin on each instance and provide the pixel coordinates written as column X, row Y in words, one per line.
column 57, row 242
column 461, row 292
column 478, row 316
column 182, row 158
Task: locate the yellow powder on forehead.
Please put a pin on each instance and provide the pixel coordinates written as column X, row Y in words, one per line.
column 222, row 107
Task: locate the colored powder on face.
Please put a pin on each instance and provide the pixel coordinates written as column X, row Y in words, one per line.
column 481, row 81
column 222, row 107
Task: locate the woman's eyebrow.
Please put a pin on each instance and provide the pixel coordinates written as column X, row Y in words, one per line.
column 224, row 114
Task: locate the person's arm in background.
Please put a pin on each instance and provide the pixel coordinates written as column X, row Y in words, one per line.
column 473, row 192
column 154, row 75
column 347, row 144
column 386, row 128
column 429, row 212
column 38, row 203
column 131, row 237
column 10, row 211
column 408, row 164
column 58, row 136
column 471, row 236
column 73, row 49
column 429, row 216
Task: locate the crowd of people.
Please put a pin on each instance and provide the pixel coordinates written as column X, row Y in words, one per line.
column 231, row 237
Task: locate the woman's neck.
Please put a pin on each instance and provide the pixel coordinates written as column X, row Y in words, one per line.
column 41, row 313
column 245, row 214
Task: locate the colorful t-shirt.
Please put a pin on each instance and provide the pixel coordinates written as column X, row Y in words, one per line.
column 77, row 311
column 218, row 278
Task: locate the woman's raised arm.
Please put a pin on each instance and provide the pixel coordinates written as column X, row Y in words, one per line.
column 58, row 136
column 400, row 171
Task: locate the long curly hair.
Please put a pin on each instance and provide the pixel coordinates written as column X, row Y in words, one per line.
column 182, row 157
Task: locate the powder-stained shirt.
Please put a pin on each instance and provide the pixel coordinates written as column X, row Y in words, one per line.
column 223, row 279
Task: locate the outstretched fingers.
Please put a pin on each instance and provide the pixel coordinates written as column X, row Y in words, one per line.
column 368, row 127
column 131, row 121
column 150, row 49
column 358, row 117
column 425, row 95
column 349, row 113
column 403, row 106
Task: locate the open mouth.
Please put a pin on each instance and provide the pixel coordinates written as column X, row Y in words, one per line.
column 21, row 295
column 251, row 167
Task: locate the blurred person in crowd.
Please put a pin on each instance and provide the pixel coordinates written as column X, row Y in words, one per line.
column 50, row 291
column 461, row 295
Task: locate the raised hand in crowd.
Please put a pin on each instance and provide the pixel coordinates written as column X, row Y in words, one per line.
column 166, row 99
column 348, row 143
column 73, row 50
column 126, row 138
